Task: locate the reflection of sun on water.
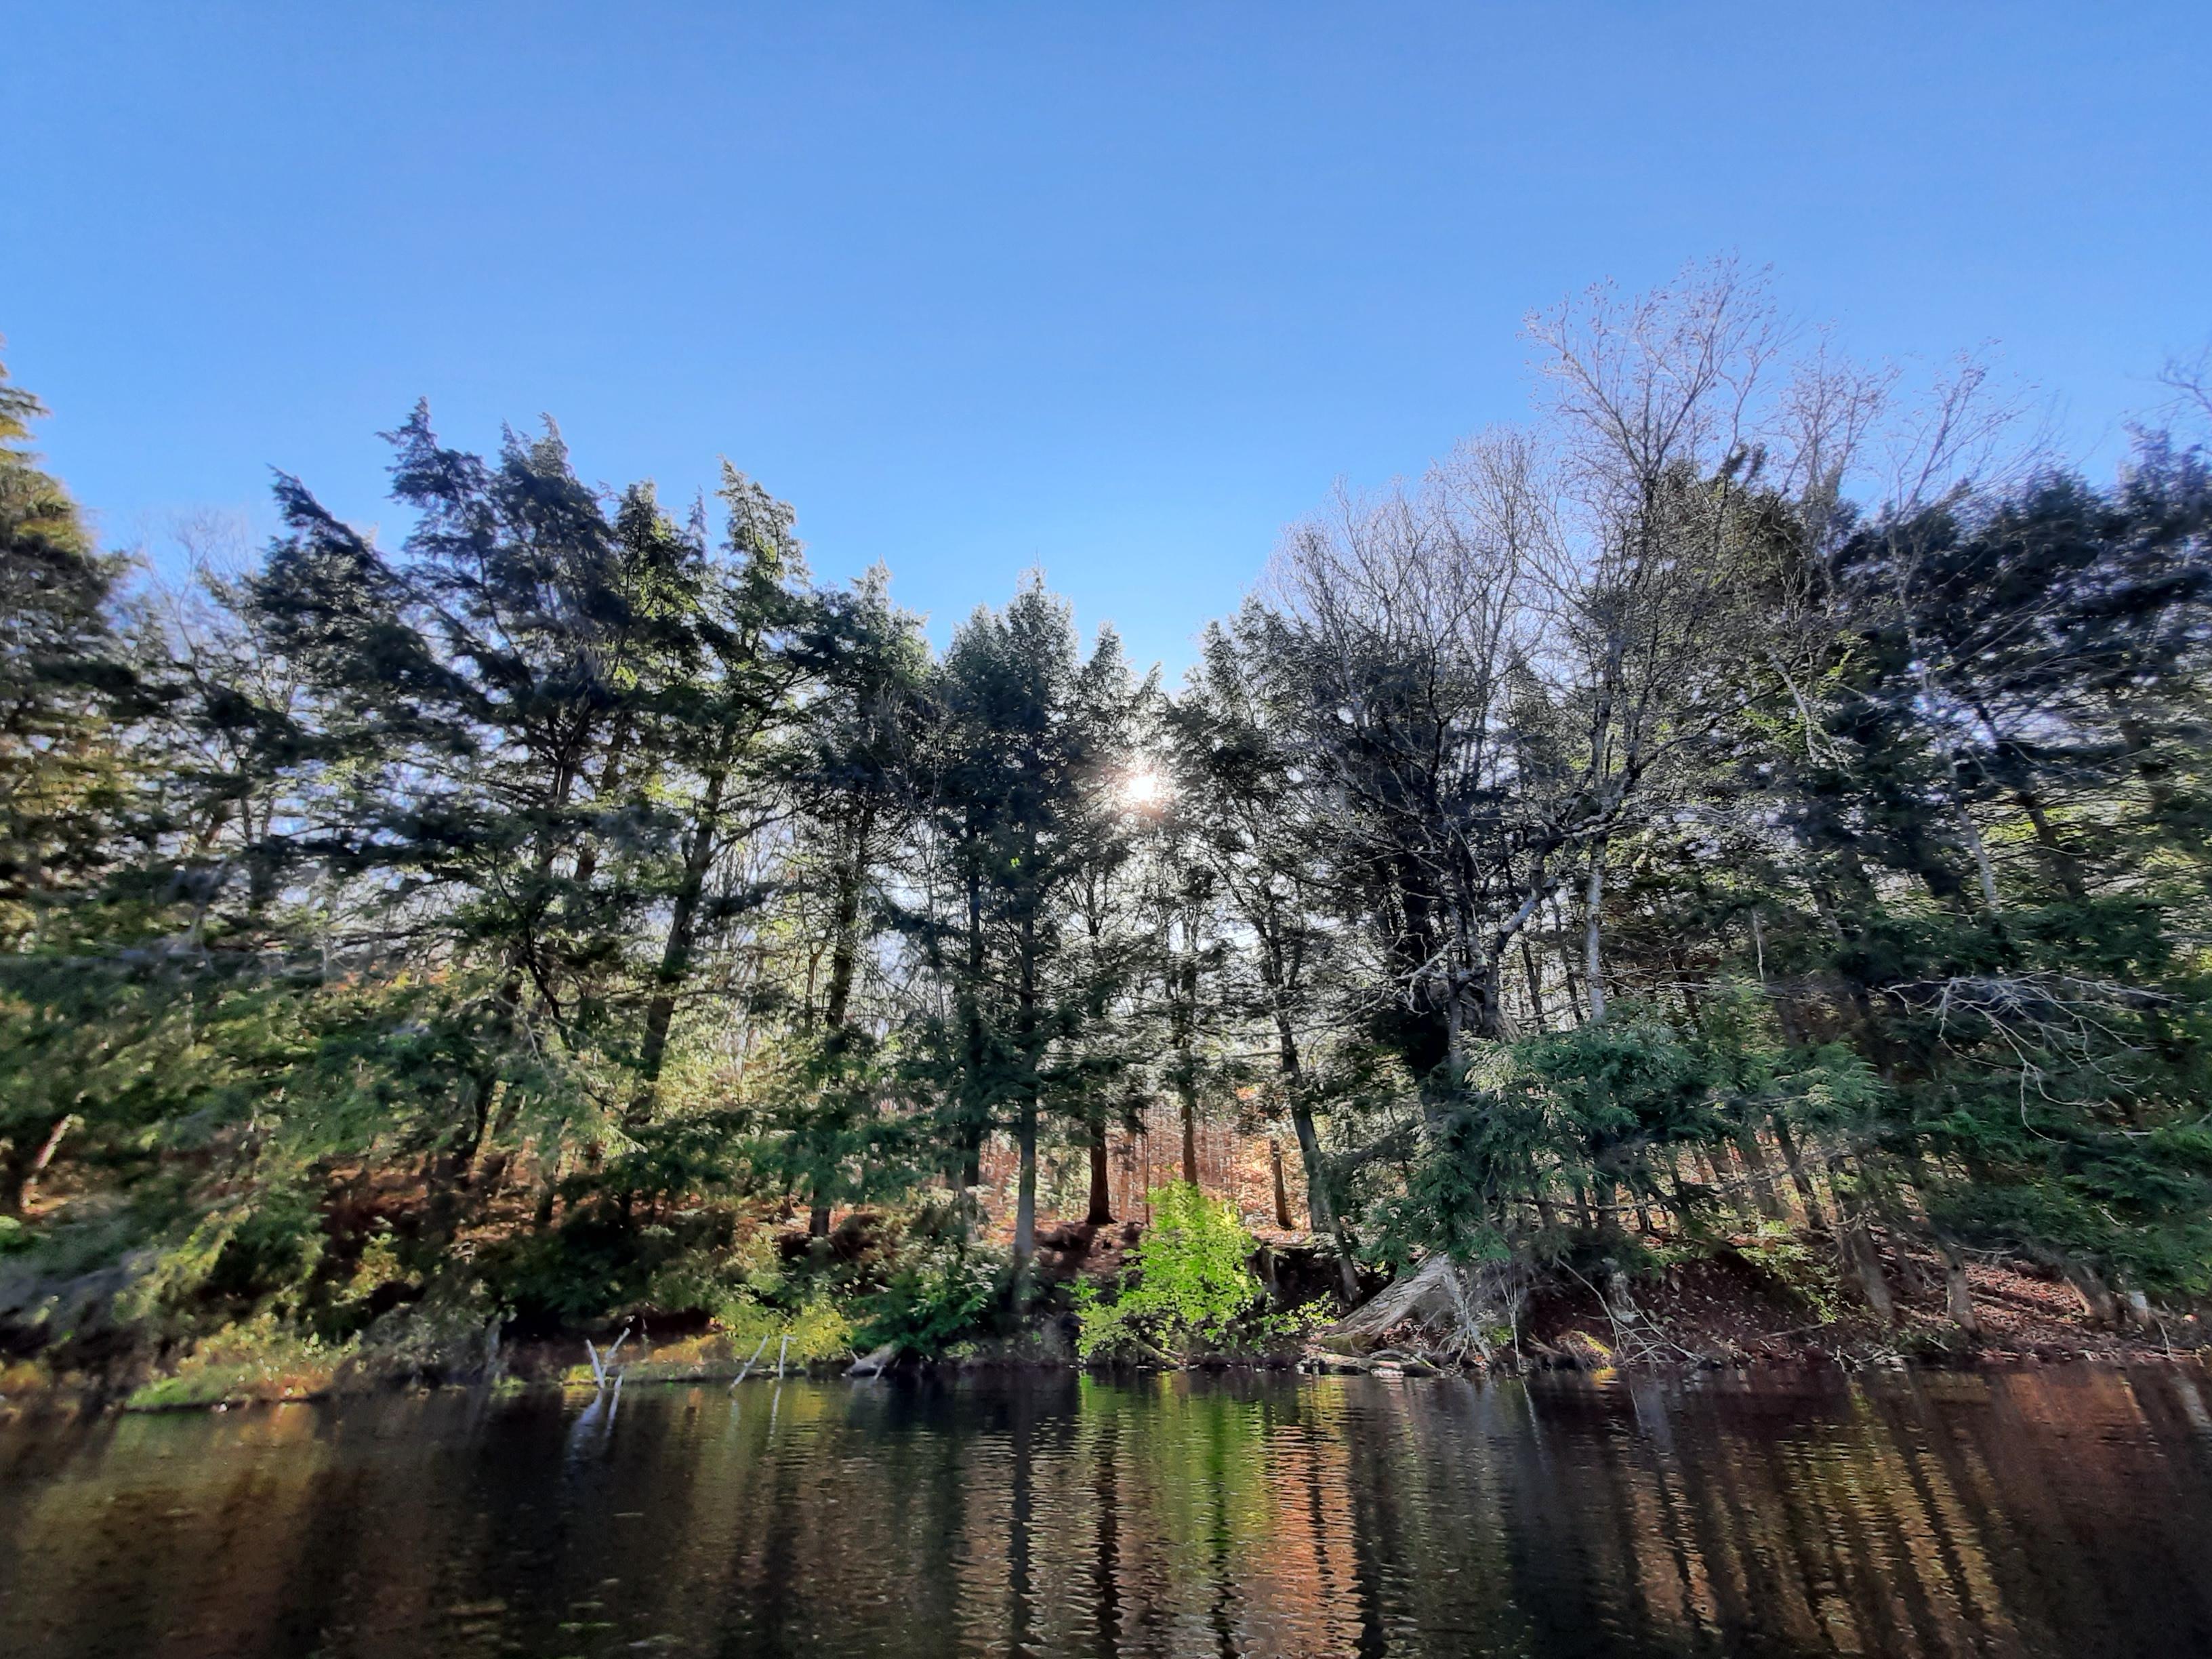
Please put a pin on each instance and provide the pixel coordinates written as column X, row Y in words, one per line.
column 1145, row 788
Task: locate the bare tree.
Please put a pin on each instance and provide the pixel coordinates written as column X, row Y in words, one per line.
column 1504, row 668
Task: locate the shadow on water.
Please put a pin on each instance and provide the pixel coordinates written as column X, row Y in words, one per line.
column 2041, row 1513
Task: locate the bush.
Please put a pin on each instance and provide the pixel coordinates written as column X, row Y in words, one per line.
column 260, row 1360
column 817, row 1329
column 1194, row 1283
column 941, row 1295
column 1809, row 1274
column 451, row 1335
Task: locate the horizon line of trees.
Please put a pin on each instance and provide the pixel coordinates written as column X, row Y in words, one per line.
column 1740, row 795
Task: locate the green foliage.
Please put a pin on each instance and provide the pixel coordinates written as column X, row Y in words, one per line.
column 939, row 1295
column 260, row 1360
column 819, row 1330
column 1570, row 1117
column 1194, row 1284
column 1809, row 1272
column 397, row 939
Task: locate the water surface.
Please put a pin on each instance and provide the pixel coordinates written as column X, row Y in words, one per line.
column 2062, row 1512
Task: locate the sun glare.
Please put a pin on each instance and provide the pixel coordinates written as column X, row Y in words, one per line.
column 1145, row 789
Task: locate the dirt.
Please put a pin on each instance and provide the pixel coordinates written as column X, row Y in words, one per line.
column 1745, row 1304
column 1733, row 1308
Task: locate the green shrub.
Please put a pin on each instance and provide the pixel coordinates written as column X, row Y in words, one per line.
column 817, row 1329
column 1194, row 1283
column 820, row 1330
column 1809, row 1274
column 942, row 1295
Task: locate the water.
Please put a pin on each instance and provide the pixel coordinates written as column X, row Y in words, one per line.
column 2066, row 1512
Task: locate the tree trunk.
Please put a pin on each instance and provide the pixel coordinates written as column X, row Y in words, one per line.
column 1866, row 1263
column 1718, row 1168
column 844, row 956
column 1025, row 1195
column 1608, row 1215
column 1536, row 985
column 2097, row 1299
column 611, row 773
column 1593, row 967
column 1321, row 1208
column 1957, row 1294
column 1857, row 1248
column 549, row 1191
column 1807, row 1194
column 1762, row 1178
column 1321, row 1213
column 1101, row 1190
column 2056, row 852
column 676, row 953
column 1183, row 1016
column 971, row 1131
column 1282, row 1192
column 27, row 1187
column 1574, row 985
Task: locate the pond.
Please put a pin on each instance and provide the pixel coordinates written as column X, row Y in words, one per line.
column 2066, row 1511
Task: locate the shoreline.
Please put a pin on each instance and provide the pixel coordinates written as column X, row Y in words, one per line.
column 1312, row 1365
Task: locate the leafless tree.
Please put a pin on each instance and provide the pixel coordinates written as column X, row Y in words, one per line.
column 1504, row 667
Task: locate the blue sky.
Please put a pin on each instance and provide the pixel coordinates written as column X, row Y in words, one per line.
column 1115, row 289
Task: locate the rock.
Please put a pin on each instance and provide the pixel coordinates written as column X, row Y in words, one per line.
column 1343, row 1364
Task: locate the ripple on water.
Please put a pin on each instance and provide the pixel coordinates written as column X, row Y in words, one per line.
column 2040, row 1513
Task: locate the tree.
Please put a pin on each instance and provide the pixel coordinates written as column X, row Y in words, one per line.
column 62, row 670
column 1236, row 788
column 852, row 785
column 66, row 685
column 1018, row 803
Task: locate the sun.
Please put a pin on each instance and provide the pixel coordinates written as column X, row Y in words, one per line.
column 1145, row 789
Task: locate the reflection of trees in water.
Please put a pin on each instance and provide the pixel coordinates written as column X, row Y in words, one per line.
column 2004, row 1514
column 1931, row 1514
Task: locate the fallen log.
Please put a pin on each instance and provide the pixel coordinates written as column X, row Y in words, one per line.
column 876, row 1363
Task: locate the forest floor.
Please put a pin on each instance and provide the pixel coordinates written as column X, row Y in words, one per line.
column 1749, row 1301
column 1732, row 1308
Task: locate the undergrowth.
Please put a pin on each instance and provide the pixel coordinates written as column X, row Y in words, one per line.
column 1191, row 1288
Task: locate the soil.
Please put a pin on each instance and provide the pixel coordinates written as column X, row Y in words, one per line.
column 1730, row 1309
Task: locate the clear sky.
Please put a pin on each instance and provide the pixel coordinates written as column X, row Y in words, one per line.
column 1114, row 287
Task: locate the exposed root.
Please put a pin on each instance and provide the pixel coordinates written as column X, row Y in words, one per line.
column 1452, row 1310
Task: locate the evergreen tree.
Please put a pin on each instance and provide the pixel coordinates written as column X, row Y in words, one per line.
column 1022, row 762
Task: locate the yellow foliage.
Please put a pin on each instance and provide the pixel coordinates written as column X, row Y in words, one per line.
column 260, row 1360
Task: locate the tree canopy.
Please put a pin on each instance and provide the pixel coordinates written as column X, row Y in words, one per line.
column 1741, row 796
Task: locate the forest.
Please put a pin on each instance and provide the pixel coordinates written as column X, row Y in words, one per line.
column 1757, row 807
